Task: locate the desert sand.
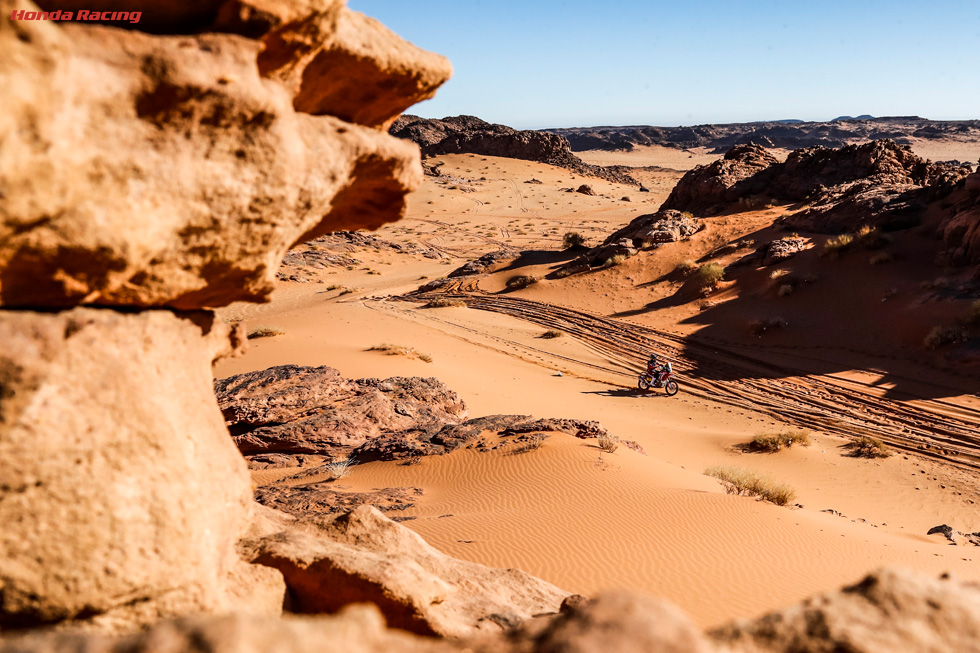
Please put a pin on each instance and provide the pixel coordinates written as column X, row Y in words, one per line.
column 586, row 520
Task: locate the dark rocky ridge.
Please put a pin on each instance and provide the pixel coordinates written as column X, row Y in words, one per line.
column 777, row 134
column 471, row 135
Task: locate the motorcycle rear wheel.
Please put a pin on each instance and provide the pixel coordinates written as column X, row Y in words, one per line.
column 672, row 388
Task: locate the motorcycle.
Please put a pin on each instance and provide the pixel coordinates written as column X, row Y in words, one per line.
column 666, row 381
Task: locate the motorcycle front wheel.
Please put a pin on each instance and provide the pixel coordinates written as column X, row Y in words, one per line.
column 672, row 388
column 642, row 384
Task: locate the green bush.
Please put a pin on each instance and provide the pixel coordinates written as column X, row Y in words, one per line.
column 710, row 274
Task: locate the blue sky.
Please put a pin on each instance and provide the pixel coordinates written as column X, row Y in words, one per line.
column 564, row 63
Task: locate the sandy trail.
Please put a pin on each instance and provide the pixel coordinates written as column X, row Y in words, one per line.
column 948, row 429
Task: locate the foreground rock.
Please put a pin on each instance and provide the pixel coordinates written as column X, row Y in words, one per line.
column 147, row 171
column 184, row 211
column 362, row 557
column 890, row 610
column 960, row 229
column 121, row 497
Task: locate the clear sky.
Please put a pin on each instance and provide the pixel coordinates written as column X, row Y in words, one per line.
column 565, row 63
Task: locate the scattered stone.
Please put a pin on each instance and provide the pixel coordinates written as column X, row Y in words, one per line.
column 585, row 189
column 486, row 263
column 955, row 536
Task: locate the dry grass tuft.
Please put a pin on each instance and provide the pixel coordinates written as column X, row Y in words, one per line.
column 773, row 442
column 445, row 302
column 837, row 245
column 748, row 483
column 264, row 332
column 552, row 333
column 608, row 443
column 618, row 259
column 868, row 447
column 521, row 281
column 401, row 350
column 338, row 469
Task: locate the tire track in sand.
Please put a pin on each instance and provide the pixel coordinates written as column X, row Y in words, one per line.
column 943, row 429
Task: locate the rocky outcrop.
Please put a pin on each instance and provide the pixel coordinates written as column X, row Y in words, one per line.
column 644, row 232
column 879, row 184
column 785, row 134
column 775, row 251
column 362, row 557
column 470, row 135
column 308, row 499
column 955, row 536
column 121, row 497
column 155, row 196
column 960, row 230
column 156, row 174
column 485, row 263
column 888, row 611
column 314, row 410
column 711, row 188
column 658, row 228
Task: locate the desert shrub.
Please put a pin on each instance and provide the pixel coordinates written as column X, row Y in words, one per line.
column 608, row 443
column 521, row 281
column 944, row 334
column 760, row 326
column 445, row 302
column 773, row 442
column 573, row 239
column 686, row 268
column 334, row 286
column 401, row 350
column 710, row 274
column 868, row 447
column 562, row 273
column 837, row 245
column 872, row 237
column 264, row 332
column 552, row 333
column 778, row 274
column 618, row 259
column 338, row 469
column 785, row 289
column 744, row 482
column 881, row 258
column 347, row 291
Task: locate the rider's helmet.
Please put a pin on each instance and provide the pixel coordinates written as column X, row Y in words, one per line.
column 653, row 359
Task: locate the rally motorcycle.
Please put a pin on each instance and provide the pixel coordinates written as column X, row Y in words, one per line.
column 664, row 379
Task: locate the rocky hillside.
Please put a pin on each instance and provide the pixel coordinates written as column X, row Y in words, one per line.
column 470, row 135
column 877, row 184
column 789, row 135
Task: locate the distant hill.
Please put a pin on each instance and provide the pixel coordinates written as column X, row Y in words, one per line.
column 786, row 134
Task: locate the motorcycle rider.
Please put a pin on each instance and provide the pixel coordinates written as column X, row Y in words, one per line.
column 655, row 368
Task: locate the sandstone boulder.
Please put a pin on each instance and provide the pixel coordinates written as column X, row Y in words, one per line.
column 121, row 496
column 890, row 610
column 313, row 410
column 362, row 556
column 172, row 171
